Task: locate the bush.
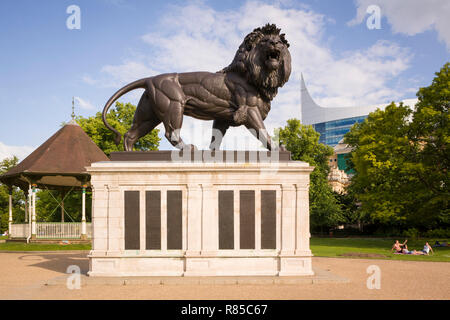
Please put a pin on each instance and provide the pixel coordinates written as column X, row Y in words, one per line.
column 4, row 217
column 348, row 231
column 411, row 233
column 438, row 233
column 387, row 231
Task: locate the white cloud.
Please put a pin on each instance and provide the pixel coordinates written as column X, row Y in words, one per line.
column 114, row 76
column 20, row 151
column 411, row 17
column 89, row 80
column 126, row 72
column 361, row 77
column 83, row 104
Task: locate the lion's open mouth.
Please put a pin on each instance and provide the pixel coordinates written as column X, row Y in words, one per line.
column 273, row 55
column 272, row 59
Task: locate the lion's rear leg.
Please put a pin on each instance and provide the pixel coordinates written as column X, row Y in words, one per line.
column 173, row 123
column 138, row 131
column 144, row 121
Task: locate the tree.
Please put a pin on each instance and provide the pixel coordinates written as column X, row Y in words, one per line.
column 349, row 208
column 48, row 207
column 401, row 158
column 380, row 145
column 303, row 143
column 121, row 118
column 18, row 196
column 430, row 138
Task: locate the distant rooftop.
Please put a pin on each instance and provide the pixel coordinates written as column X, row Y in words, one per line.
column 59, row 161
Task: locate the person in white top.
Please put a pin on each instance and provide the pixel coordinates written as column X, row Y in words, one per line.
column 427, row 248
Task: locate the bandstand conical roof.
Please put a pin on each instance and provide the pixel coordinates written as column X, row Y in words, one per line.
column 58, row 162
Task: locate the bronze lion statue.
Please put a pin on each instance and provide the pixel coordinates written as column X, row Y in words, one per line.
column 239, row 94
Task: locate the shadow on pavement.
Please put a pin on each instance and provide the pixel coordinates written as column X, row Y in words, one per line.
column 58, row 262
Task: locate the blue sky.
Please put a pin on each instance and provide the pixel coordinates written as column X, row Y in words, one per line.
column 43, row 63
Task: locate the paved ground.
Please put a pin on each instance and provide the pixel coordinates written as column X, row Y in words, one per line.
column 23, row 276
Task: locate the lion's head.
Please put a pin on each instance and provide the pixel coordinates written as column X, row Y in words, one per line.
column 264, row 58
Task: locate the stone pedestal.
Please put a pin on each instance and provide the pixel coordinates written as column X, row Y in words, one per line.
column 197, row 218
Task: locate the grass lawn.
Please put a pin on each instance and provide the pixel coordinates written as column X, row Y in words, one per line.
column 20, row 246
column 320, row 247
column 374, row 248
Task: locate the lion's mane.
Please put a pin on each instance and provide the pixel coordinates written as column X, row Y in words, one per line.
column 249, row 61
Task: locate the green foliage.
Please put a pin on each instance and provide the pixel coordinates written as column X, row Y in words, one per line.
column 438, row 233
column 349, row 208
column 401, row 158
column 380, row 144
column 17, row 199
column 411, row 233
column 48, row 207
column 8, row 163
column 430, row 139
column 303, row 143
column 121, row 118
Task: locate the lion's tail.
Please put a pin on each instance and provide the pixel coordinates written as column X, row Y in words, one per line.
column 138, row 84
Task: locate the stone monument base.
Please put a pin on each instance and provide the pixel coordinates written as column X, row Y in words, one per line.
column 200, row 217
column 184, row 265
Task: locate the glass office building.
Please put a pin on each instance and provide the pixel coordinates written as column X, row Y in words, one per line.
column 331, row 122
column 331, row 132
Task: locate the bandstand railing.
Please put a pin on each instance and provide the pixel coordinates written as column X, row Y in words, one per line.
column 51, row 230
column 20, row 230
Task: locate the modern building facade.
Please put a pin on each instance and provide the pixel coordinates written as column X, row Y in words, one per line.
column 332, row 122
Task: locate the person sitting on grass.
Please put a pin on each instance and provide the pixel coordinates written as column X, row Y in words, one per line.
column 406, row 251
column 443, row 244
column 398, row 246
column 427, row 248
column 425, row 251
column 413, row 252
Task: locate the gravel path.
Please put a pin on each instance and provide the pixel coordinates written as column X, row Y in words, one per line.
column 22, row 276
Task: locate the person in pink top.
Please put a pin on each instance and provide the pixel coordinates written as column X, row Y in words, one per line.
column 398, row 246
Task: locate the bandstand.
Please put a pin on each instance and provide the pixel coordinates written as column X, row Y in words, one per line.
column 58, row 164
